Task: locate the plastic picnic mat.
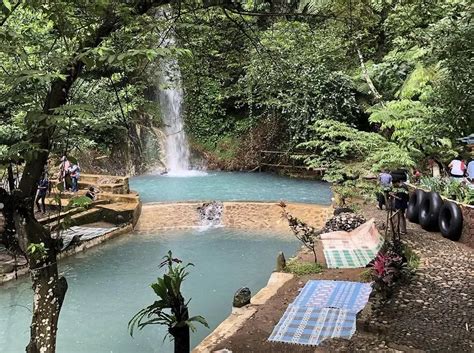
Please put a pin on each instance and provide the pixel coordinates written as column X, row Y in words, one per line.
column 352, row 249
column 323, row 309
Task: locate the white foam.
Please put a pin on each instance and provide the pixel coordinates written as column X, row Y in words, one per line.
column 185, row 173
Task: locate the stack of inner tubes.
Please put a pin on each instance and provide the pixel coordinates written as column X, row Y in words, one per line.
column 433, row 214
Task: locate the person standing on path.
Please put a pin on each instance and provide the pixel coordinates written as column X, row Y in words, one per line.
column 43, row 186
column 400, row 204
column 74, row 173
column 385, row 182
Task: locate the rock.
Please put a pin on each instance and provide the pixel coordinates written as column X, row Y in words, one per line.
column 242, row 297
column 281, row 262
column 6, row 268
column 344, row 221
column 120, row 219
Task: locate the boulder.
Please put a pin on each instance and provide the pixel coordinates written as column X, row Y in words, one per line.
column 241, row 297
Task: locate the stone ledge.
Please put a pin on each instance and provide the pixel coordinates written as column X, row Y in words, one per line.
column 80, row 248
column 239, row 316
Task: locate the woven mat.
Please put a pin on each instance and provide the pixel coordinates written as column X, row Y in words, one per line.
column 323, row 309
column 82, row 234
column 347, row 295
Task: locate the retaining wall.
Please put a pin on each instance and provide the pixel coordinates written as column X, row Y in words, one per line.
column 467, row 236
column 251, row 215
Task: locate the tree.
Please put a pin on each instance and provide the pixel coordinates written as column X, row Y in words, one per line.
column 168, row 289
column 48, row 46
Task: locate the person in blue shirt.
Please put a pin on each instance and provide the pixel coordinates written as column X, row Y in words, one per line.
column 385, row 182
column 74, row 172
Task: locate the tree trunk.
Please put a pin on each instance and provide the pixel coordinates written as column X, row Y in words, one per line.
column 49, row 288
column 181, row 339
column 180, row 334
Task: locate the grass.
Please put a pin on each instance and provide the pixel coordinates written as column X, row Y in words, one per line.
column 301, row 268
column 413, row 260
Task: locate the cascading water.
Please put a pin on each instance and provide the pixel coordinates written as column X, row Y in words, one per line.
column 210, row 214
column 171, row 99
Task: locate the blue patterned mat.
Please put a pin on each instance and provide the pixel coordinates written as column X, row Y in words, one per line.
column 334, row 294
column 323, row 309
column 311, row 326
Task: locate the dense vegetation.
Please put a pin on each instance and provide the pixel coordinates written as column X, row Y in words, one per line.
column 399, row 71
column 359, row 85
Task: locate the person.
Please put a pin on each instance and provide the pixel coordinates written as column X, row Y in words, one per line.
column 400, row 204
column 74, row 172
column 385, row 182
column 91, row 193
column 470, row 170
column 457, row 168
column 435, row 168
column 43, row 186
column 64, row 172
column 416, row 176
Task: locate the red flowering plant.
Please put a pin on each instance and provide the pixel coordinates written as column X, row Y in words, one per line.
column 387, row 269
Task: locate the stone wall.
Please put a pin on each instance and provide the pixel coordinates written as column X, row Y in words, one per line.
column 263, row 215
column 251, row 215
column 467, row 236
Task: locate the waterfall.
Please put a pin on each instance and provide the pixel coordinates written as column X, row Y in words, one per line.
column 171, row 99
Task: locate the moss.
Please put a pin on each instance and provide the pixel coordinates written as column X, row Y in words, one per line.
column 301, row 268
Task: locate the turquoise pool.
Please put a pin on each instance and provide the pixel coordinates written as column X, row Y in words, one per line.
column 110, row 283
column 227, row 186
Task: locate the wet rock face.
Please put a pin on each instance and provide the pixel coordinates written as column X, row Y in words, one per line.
column 241, row 297
column 344, row 221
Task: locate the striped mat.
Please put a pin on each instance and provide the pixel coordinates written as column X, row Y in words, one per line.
column 334, row 294
column 82, row 234
column 323, row 309
column 353, row 249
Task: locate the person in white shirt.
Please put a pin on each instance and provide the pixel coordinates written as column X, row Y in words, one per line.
column 457, row 167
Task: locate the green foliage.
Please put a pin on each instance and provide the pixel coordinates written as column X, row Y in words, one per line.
column 37, row 251
column 170, row 309
column 349, row 153
column 80, row 201
column 301, row 268
column 452, row 189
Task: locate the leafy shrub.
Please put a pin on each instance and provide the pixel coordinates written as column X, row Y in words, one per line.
column 449, row 188
column 80, row 201
column 301, row 268
column 395, row 264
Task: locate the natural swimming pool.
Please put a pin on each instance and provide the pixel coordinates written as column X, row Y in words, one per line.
column 110, row 283
column 230, row 186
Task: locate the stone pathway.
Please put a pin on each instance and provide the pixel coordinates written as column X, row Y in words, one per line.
column 435, row 312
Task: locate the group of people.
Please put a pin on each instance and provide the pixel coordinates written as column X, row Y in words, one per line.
column 459, row 169
column 69, row 174
column 393, row 195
